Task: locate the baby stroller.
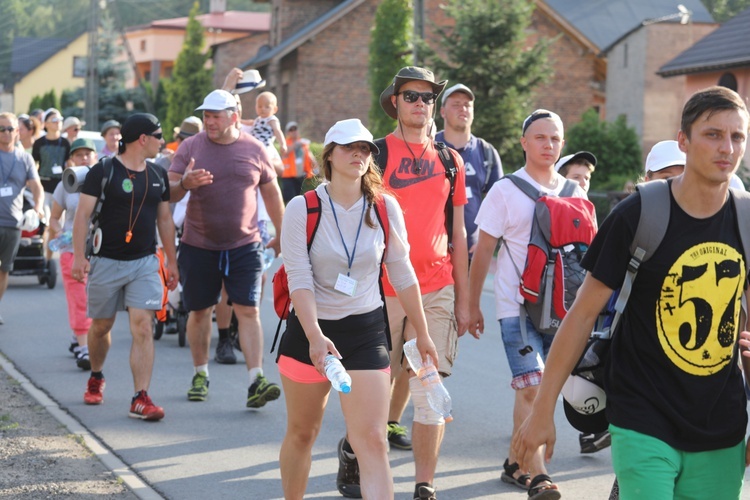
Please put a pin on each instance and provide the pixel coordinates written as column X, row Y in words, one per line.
column 176, row 317
column 30, row 259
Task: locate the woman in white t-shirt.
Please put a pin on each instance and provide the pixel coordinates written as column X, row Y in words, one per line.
column 337, row 309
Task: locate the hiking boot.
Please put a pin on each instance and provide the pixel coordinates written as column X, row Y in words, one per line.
column 225, row 352
column 397, row 436
column 199, row 389
column 425, row 491
column 347, row 480
column 261, row 392
column 94, row 394
column 82, row 361
column 142, row 407
column 591, row 443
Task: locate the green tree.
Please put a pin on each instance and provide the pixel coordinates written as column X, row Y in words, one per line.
column 36, row 103
column 488, row 51
column 723, row 10
column 617, row 149
column 390, row 50
column 114, row 99
column 191, row 81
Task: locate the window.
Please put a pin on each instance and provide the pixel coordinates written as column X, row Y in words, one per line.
column 79, row 66
column 729, row 81
column 143, row 45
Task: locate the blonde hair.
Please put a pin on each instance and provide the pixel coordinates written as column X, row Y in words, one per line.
column 268, row 95
column 372, row 182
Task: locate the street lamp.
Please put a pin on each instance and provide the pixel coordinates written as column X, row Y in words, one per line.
column 683, row 13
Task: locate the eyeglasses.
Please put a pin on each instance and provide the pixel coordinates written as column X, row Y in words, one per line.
column 157, row 135
column 411, row 96
column 7, row 129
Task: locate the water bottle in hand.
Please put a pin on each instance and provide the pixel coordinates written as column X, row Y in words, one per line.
column 62, row 243
column 268, row 256
column 437, row 395
column 336, row 373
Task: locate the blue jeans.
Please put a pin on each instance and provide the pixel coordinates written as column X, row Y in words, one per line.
column 526, row 369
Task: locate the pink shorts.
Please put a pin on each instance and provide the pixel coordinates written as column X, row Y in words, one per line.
column 303, row 373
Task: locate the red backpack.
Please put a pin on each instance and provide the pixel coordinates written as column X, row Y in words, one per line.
column 281, row 299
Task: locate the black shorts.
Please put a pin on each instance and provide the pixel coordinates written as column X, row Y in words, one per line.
column 360, row 339
column 202, row 273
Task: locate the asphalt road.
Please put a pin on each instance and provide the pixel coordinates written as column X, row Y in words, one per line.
column 219, row 449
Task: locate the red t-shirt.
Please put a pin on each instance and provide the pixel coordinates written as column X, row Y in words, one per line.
column 422, row 196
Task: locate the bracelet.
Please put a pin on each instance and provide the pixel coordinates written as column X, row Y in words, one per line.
column 183, row 185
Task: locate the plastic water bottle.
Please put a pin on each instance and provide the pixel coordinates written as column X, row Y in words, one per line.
column 62, row 243
column 336, row 373
column 268, row 256
column 437, row 395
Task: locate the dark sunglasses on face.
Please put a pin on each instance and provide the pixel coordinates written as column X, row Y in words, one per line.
column 7, row 129
column 76, row 130
column 411, row 96
column 293, row 129
column 156, row 135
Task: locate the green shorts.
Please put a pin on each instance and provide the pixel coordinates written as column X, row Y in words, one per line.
column 648, row 468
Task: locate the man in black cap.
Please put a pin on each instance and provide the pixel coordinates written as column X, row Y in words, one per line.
column 124, row 270
column 416, row 176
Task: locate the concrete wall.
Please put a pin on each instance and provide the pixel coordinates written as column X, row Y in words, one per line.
column 626, row 73
column 56, row 73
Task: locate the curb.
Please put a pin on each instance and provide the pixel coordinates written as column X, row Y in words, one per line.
column 110, row 461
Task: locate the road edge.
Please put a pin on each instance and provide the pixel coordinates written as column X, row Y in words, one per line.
column 119, row 468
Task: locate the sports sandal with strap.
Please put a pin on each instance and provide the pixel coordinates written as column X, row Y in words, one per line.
column 541, row 488
column 508, row 476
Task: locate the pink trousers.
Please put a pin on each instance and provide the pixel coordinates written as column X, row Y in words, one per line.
column 75, row 291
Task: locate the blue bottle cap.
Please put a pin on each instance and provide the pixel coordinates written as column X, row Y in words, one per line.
column 345, row 388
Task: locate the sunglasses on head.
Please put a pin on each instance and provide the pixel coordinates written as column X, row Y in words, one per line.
column 7, row 129
column 411, row 96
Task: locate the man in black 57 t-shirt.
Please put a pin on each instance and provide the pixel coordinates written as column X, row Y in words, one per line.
column 675, row 399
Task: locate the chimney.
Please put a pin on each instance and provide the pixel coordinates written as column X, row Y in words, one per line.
column 218, row 6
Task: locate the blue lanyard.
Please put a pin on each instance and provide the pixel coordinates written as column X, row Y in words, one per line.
column 349, row 258
column 2, row 170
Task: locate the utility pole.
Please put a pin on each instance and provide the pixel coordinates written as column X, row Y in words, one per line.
column 418, row 6
column 91, row 111
column 131, row 58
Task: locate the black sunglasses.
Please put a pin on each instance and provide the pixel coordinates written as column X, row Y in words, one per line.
column 411, row 96
column 157, row 135
column 7, row 129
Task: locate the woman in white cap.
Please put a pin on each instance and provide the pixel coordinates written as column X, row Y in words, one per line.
column 337, row 309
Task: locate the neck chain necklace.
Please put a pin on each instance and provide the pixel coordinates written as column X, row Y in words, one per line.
column 131, row 221
column 417, row 163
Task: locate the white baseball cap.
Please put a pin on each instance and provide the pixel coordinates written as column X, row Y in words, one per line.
column 589, row 157
column 72, row 121
column 348, row 131
column 218, row 100
column 584, row 403
column 664, row 154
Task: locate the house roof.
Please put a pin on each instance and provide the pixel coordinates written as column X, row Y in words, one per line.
column 28, row 53
column 231, row 20
column 604, row 22
column 720, row 49
column 304, row 34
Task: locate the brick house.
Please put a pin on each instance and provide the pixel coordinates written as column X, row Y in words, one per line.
column 317, row 59
column 721, row 58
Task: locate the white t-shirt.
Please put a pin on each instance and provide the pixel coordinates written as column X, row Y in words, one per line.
column 508, row 213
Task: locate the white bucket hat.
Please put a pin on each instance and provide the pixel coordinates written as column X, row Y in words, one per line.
column 348, row 131
column 251, row 80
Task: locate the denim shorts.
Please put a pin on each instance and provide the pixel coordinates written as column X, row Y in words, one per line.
column 526, row 369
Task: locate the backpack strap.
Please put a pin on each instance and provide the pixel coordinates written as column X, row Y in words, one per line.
column 568, row 189
column 449, row 164
column 741, row 209
column 155, row 172
column 381, row 159
column 652, row 227
column 382, row 215
column 312, row 202
column 524, row 185
column 489, row 162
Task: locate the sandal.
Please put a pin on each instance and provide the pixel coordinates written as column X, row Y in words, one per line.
column 540, row 491
column 508, row 476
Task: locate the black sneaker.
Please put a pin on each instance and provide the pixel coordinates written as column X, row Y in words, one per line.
column 262, row 391
column 72, row 348
column 82, row 360
column 397, row 436
column 347, row 480
column 225, row 352
column 591, row 443
column 425, row 491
